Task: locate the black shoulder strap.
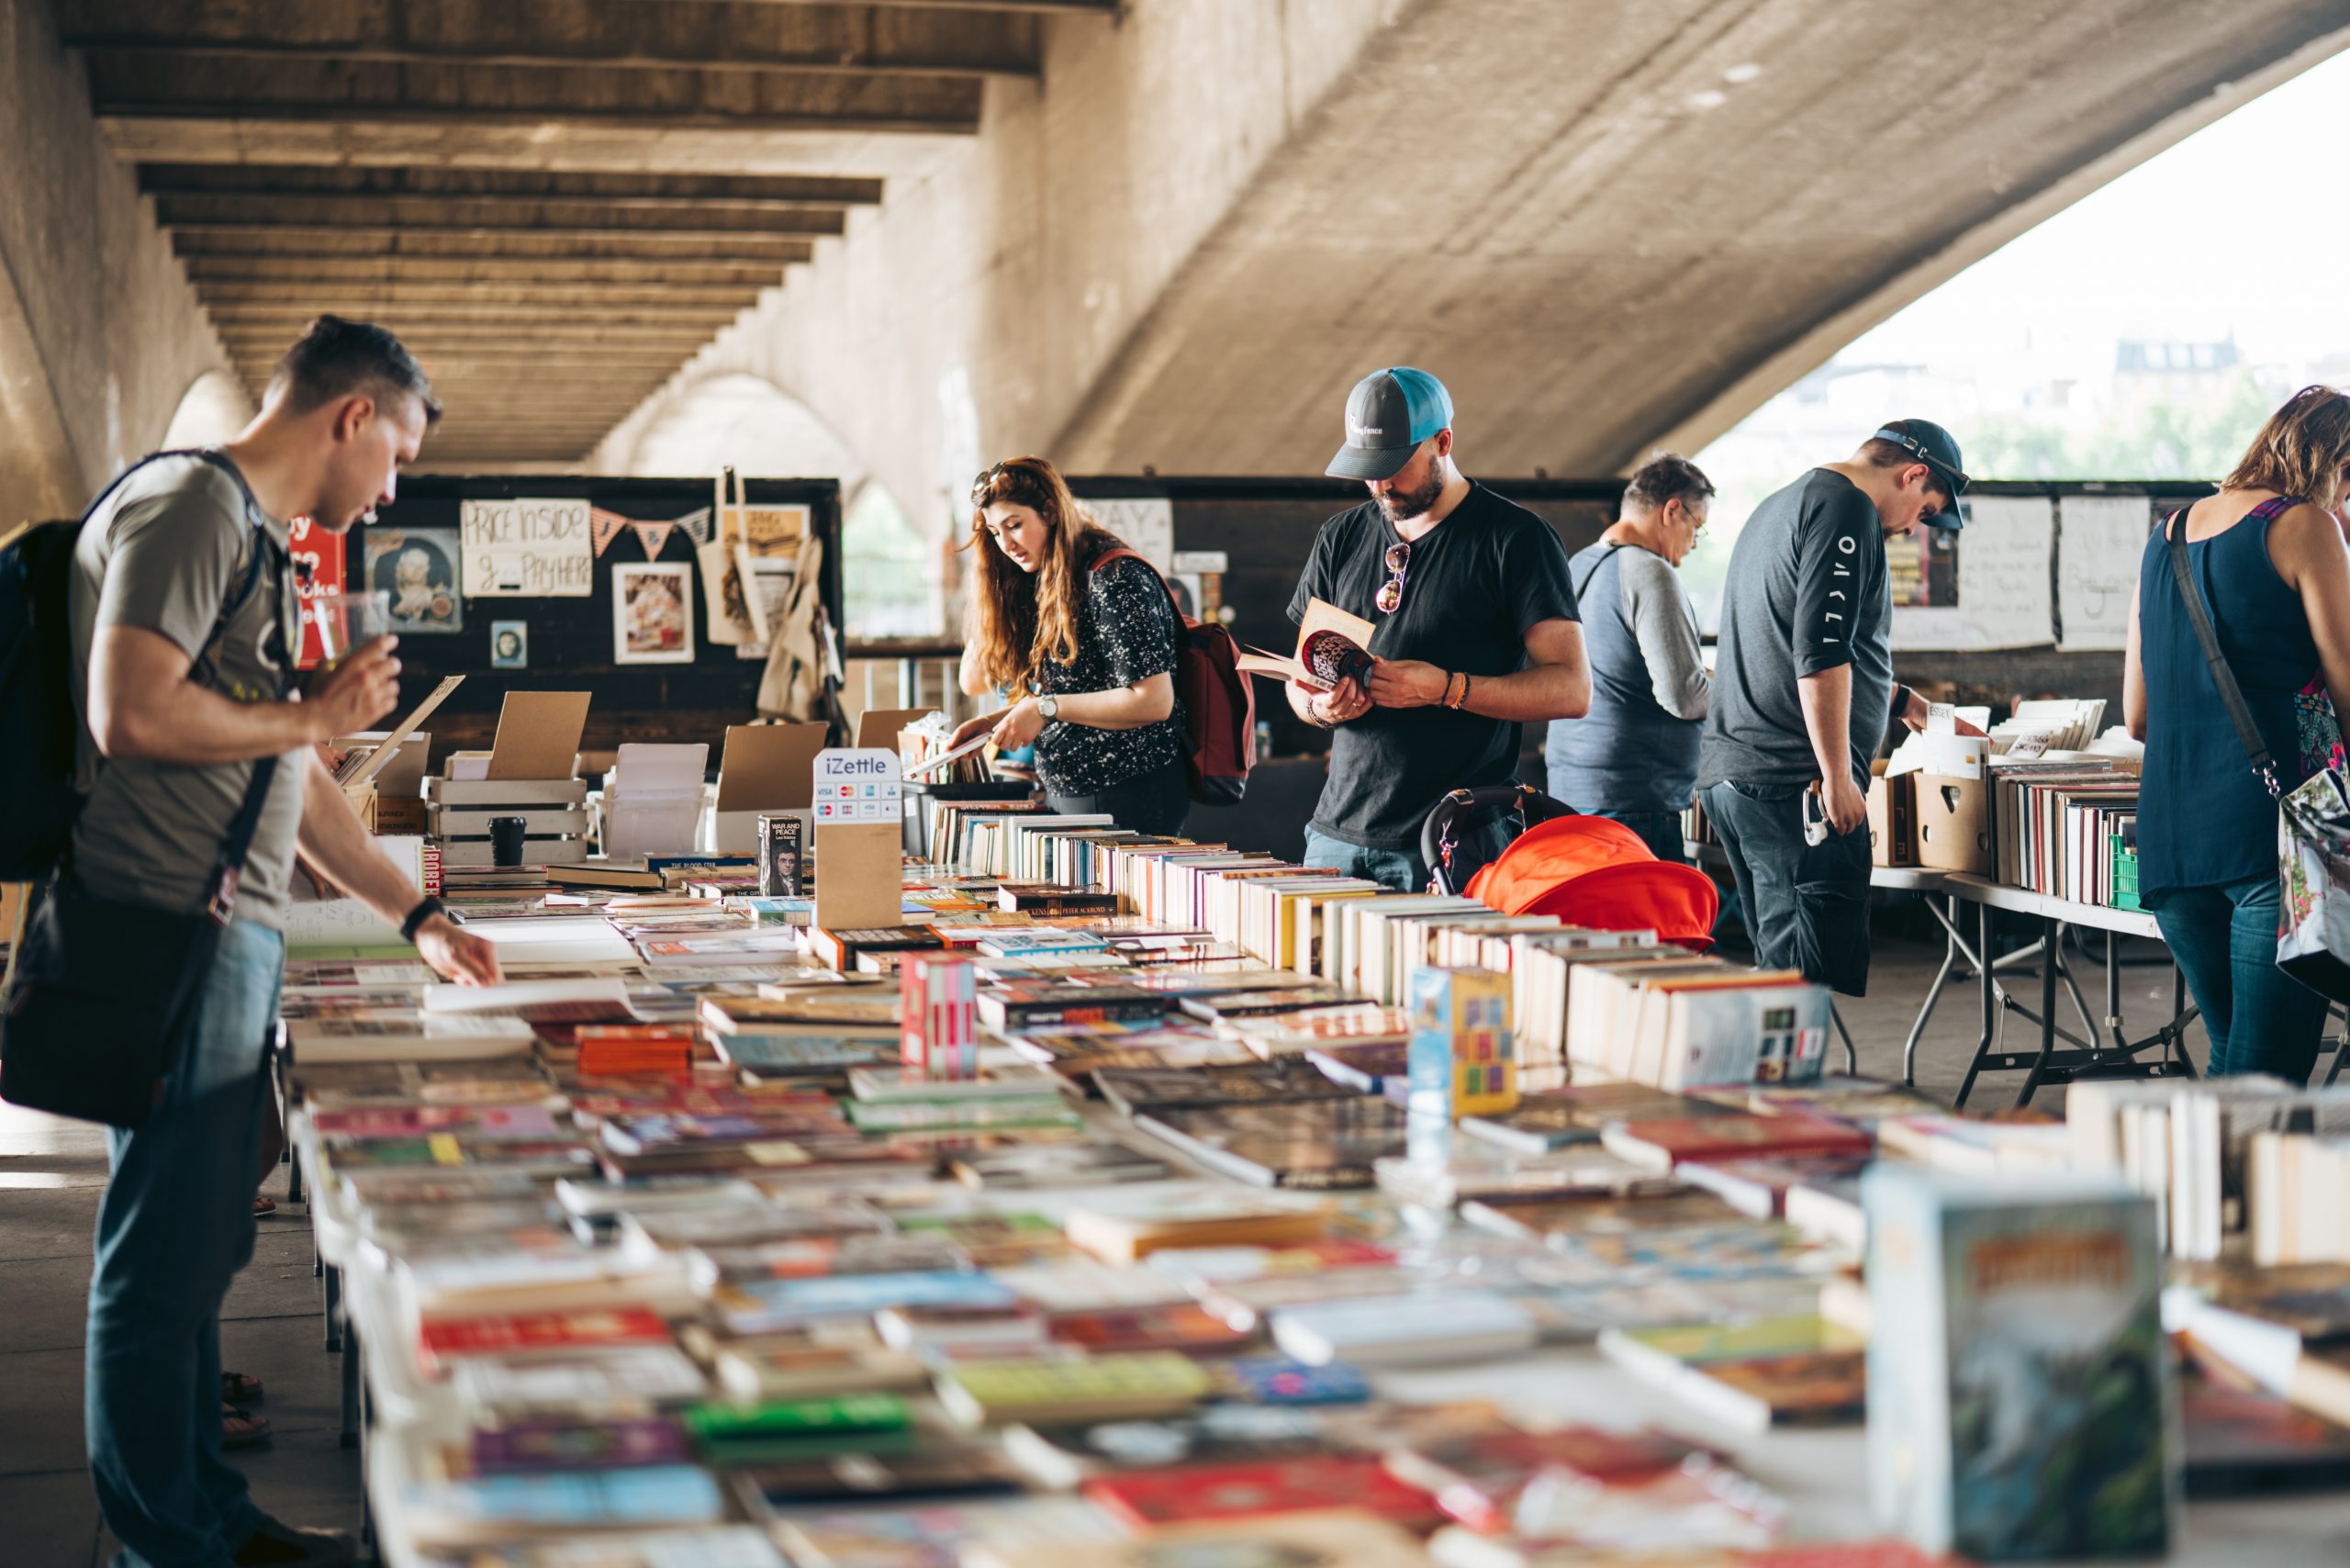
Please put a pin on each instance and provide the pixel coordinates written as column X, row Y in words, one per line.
column 2230, row 694
column 238, row 841
column 235, row 600
column 1584, row 585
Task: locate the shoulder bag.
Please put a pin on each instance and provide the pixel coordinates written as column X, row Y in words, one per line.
column 106, row 992
column 2312, row 821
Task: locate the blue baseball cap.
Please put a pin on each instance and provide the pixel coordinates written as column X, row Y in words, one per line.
column 1938, row 450
column 1388, row 413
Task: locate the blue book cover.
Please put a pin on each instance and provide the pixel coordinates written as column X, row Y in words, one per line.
column 760, row 1306
column 655, row 1495
column 2025, row 1410
column 1277, row 1380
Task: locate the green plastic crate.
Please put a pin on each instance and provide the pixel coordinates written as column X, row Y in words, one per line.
column 2125, row 872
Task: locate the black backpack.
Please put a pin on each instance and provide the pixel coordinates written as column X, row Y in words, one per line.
column 39, row 723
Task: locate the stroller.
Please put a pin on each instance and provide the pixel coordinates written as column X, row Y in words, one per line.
column 1587, row 871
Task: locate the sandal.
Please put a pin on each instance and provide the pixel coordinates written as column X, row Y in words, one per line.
column 241, row 1429
column 240, row 1388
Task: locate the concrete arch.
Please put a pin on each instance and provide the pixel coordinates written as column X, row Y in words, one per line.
column 215, row 407
column 735, row 418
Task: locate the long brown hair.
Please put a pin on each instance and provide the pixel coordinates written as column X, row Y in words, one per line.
column 2303, row 449
column 1020, row 619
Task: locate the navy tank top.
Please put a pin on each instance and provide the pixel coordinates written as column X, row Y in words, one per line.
column 2204, row 819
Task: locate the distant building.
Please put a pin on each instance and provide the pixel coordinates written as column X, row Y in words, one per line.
column 2155, row 370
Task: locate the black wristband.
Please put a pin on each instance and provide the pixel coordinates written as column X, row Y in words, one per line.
column 423, row 912
column 1900, row 701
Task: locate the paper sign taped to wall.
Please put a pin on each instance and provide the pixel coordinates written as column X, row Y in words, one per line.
column 529, row 547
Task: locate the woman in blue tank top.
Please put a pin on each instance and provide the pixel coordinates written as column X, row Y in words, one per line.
column 2266, row 554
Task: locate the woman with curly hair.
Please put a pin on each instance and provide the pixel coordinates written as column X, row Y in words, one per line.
column 1086, row 634
column 2266, row 555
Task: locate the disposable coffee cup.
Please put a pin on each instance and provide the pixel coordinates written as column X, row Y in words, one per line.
column 506, row 840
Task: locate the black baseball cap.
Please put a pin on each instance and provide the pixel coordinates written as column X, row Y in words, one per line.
column 1388, row 413
column 1938, row 450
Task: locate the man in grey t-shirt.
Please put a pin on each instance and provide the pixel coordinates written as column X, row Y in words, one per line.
column 1803, row 692
column 183, row 621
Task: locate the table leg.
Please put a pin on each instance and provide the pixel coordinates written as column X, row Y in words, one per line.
column 2051, row 935
column 1950, row 949
column 1990, row 1000
column 330, row 1295
column 351, row 1392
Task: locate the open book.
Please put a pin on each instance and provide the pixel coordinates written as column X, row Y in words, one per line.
column 1331, row 645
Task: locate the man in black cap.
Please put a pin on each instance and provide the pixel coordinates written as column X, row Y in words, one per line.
column 1804, row 693
column 1474, row 632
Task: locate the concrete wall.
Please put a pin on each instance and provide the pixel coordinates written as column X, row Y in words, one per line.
column 966, row 319
column 100, row 335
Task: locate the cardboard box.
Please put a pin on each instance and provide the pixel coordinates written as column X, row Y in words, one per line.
column 1893, row 818
column 363, row 798
column 1954, row 824
column 538, row 736
column 765, row 769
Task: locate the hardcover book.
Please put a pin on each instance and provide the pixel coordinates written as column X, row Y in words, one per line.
column 2025, row 1409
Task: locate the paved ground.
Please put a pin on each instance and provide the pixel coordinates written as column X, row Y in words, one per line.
column 50, row 1174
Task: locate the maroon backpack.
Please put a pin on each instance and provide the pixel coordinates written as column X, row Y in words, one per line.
column 1219, row 703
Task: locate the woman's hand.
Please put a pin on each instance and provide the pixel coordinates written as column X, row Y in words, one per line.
column 979, row 726
column 1020, row 725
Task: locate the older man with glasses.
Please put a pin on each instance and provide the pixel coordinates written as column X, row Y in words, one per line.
column 1474, row 632
column 1634, row 756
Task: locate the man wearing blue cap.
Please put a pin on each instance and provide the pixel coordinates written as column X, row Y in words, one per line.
column 1474, row 632
column 1804, row 693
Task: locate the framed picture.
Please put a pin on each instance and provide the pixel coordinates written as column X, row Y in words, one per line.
column 653, row 614
column 418, row 567
column 509, row 645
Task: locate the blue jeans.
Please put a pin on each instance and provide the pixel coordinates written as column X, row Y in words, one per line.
column 1403, row 870
column 1661, row 831
column 1806, row 905
column 2260, row 1018
column 175, row 1226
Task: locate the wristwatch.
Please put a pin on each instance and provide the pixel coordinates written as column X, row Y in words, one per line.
column 425, row 910
column 1049, row 706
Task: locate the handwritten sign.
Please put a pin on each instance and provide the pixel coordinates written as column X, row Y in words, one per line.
column 2096, row 569
column 2003, row 598
column 1145, row 523
column 857, row 784
column 527, row 548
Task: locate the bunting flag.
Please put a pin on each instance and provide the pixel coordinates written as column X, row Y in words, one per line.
column 653, row 535
column 697, row 525
column 604, row 527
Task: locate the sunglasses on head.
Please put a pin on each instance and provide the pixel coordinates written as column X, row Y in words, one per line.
column 984, row 483
column 1391, row 593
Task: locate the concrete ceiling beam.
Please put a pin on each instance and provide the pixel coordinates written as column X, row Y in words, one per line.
column 362, row 137
column 310, row 271
column 694, row 34
column 344, row 299
column 465, row 96
column 496, row 216
column 191, row 240
column 748, row 191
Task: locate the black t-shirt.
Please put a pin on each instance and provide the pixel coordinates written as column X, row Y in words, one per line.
column 1125, row 633
column 1475, row 586
column 1809, row 590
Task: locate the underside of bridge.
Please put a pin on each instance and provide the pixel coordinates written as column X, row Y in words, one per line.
column 1126, row 233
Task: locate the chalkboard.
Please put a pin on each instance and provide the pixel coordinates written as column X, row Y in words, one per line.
column 569, row 641
column 1266, row 529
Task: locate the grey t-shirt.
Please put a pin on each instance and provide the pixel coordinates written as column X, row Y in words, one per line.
column 1807, row 591
column 162, row 555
